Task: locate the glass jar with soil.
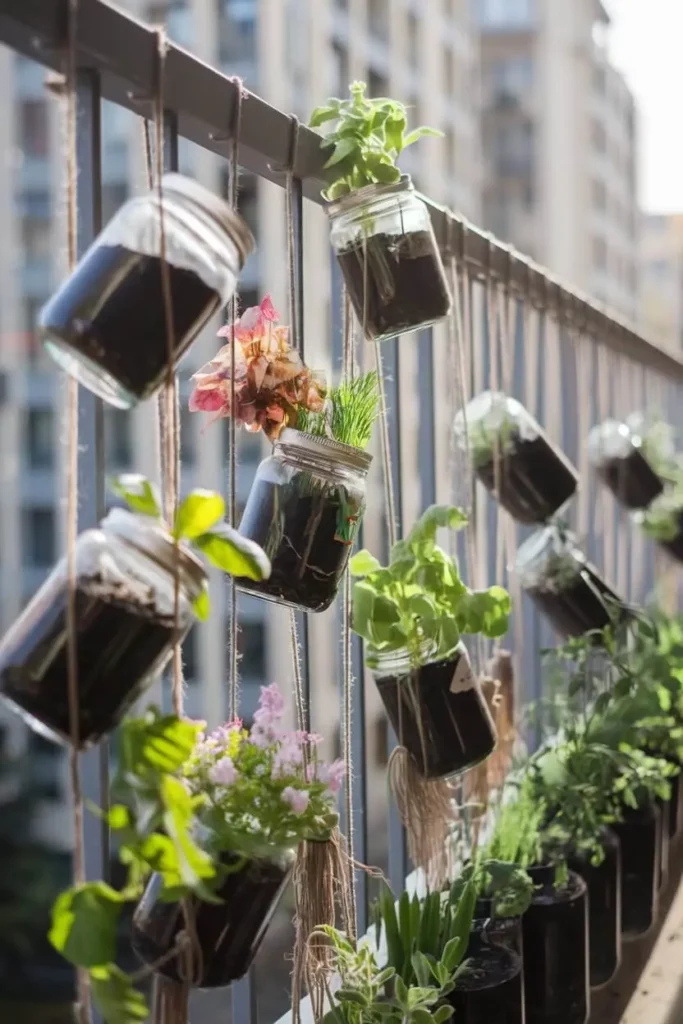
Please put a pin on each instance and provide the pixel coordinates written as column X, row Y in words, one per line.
column 500, row 931
column 617, row 454
column 125, row 628
column 489, row 989
column 437, row 711
column 229, row 933
column 555, row 932
column 662, row 521
column 106, row 324
column 564, row 586
column 514, row 458
column 304, row 508
column 389, row 258
column 640, row 835
column 603, row 881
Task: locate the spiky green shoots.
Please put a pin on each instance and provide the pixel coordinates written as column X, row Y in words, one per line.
column 350, row 413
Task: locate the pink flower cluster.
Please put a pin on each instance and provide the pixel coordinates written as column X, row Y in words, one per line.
column 271, row 381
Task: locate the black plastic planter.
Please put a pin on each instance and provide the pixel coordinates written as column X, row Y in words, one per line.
column 616, row 453
column 500, row 931
column 556, row 970
column 640, row 835
column 603, row 882
column 491, row 988
column 229, row 933
column 675, row 815
column 438, row 713
column 663, row 869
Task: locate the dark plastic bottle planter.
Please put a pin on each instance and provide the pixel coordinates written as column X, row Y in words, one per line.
column 438, row 713
column 675, row 809
column 490, row 990
column 617, row 456
column 603, row 882
column 229, row 933
column 501, row 931
column 640, row 835
column 556, row 969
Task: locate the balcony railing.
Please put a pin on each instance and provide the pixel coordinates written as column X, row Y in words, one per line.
column 515, row 325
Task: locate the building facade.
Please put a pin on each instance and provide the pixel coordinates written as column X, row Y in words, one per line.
column 662, row 278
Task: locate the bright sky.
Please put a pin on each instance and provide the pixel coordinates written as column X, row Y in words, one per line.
column 646, row 44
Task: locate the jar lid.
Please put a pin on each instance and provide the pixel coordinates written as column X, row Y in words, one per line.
column 368, row 193
column 340, row 454
column 217, row 208
column 152, row 538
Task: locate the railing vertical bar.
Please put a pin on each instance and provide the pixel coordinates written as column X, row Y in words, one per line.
column 170, row 141
column 244, row 1000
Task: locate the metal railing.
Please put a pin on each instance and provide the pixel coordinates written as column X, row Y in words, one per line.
column 117, row 60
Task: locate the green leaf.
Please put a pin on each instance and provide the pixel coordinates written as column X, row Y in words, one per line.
column 194, row 865
column 442, row 1014
column 155, row 744
column 230, row 551
column 138, row 493
column 118, row 817
column 351, row 995
column 342, row 150
column 419, row 133
column 198, row 513
column 323, row 114
column 363, row 563
column 202, row 604
column 423, row 533
column 115, row 996
column 84, row 924
column 418, row 1014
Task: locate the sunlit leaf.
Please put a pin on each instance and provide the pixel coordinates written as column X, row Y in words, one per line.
column 230, row 551
column 198, row 513
column 84, row 924
column 363, row 563
column 116, row 998
column 138, row 493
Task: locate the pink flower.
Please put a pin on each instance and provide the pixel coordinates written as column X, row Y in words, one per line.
column 272, row 701
column 223, row 772
column 296, row 798
column 333, row 774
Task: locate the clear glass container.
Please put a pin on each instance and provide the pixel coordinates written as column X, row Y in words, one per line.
column 437, row 711
column 618, row 454
column 564, row 586
column 514, row 458
column 303, row 509
column 389, row 257
column 125, row 604
column 106, row 324
column 662, row 520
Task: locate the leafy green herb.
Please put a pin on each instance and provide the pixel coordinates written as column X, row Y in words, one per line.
column 349, row 414
column 663, row 518
column 367, row 137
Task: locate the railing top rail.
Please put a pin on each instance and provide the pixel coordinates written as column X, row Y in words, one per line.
column 124, row 53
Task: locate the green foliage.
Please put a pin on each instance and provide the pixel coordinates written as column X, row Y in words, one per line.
column 516, row 837
column 366, row 137
column 349, row 414
column 419, row 602
column 507, row 885
column 663, row 518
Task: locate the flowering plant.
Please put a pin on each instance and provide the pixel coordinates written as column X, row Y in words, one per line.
column 264, row 788
column 271, row 382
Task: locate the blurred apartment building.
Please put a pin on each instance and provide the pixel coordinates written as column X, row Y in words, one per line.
column 662, row 278
column 559, row 132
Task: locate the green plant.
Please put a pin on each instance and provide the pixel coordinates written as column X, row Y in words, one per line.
column 349, row 414
column 507, row 885
column 198, row 521
column 516, row 836
column 419, row 602
column 662, row 519
column 368, row 137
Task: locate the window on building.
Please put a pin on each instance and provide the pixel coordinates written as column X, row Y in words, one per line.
column 32, row 350
column 449, row 71
column 35, row 202
column 237, row 30
column 114, row 195
column 34, row 128
column 190, row 665
column 413, row 36
column 378, row 19
column 247, row 199
column 40, row 437
column 599, row 195
column 599, row 80
column 378, row 85
column 600, row 253
column 512, row 75
column 38, row 525
column 505, row 14
column 599, row 136
column 118, row 442
column 176, row 15
column 36, row 238
column 249, row 444
column 188, row 447
column 339, row 70
column 513, row 148
column 251, row 648
column 451, row 149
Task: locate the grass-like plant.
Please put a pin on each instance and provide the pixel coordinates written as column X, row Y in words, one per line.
column 349, row 413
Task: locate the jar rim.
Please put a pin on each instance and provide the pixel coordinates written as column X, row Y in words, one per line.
column 376, row 190
column 228, row 219
column 153, row 539
column 344, row 454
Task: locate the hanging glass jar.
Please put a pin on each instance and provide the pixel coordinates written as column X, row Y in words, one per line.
column 304, row 508
column 564, row 586
column 662, row 520
column 617, row 454
column 389, row 258
column 125, row 627
column 513, row 457
column 107, row 323
column 437, row 711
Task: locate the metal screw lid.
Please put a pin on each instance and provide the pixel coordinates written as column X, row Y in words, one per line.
column 339, row 453
column 368, row 193
column 217, row 208
column 152, row 538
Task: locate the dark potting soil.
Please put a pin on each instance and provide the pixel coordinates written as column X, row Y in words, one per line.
column 640, row 837
column 121, row 645
column 500, row 931
column 577, row 608
column 112, row 312
column 229, row 933
column 533, row 481
column 632, row 480
column 490, row 988
column 555, row 932
column 406, row 286
column 445, row 732
column 300, row 535
column 604, row 908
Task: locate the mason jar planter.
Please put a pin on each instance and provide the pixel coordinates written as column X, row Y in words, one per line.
column 663, row 522
column 106, row 324
column 603, row 882
column 229, row 933
column 489, row 990
column 304, row 508
column 389, row 258
column 564, row 586
column 437, row 711
column 555, row 932
column 514, row 458
column 616, row 453
column 640, row 835
column 125, row 628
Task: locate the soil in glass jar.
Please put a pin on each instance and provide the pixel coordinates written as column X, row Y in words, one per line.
column 398, row 286
column 640, row 837
column 500, row 931
column 300, row 525
column 555, row 932
column 604, row 908
column 533, row 481
column 445, row 732
column 580, row 605
column 121, row 644
column 632, row 480
column 110, row 316
column 490, row 988
column 229, row 933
